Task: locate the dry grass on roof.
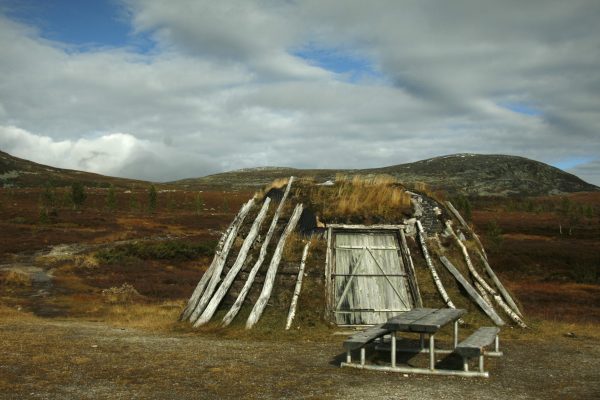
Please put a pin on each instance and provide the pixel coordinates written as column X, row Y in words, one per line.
column 358, row 199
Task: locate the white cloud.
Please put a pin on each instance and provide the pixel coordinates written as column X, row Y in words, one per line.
column 223, row 89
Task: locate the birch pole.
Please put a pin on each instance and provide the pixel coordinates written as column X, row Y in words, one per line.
column 261, row 258
column 210, row 309
column 436, row 278
column 265, row 294
column 292, row 311
column 216, row 275
column 220, row 251
column 485, row 306
column 484, row 286
column 500, row 286
column 465, row 225
column 411, row 268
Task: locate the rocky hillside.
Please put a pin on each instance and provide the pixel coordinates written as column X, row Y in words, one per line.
column 468, row 174
column 17, row 172
column 481, row 175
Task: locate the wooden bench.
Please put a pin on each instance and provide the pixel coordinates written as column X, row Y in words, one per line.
column 474, row 346
column 360, row 339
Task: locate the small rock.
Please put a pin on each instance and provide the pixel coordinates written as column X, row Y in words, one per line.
column 570, row 335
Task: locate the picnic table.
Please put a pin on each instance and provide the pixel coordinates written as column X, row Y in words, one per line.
column 424, row 321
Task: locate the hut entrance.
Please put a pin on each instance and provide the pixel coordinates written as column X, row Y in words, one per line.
column 370, row 282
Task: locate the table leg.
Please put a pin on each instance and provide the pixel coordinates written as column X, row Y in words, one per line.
column 455, row 333
column 393, row 349
column 432, row 351
column 422, row 341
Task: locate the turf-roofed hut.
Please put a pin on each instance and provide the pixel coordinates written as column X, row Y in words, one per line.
column 349, row 253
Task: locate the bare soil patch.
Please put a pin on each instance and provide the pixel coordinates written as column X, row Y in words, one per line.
column 74, row 360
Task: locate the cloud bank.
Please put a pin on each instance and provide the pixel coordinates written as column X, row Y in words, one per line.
column 345, row 84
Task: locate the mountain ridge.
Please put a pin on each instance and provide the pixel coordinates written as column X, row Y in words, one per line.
column 464, row 173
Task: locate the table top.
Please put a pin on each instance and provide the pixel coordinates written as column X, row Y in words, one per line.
column 423, row 320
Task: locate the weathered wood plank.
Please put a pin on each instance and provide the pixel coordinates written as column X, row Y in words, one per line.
column 265, row 294
column 360, row 339
column 424, row 320
column 472, row 292
column 436, row 278
column 212, row 305
column 297, row 288
column 474, row 345
column 365, row 227
column 480, row 281
column 412, row 276
column 221, row 252
column 368, row 278
column 233, row 311
column 402, row 322
column 328, row 283
column 432, row 322
column 499, row 285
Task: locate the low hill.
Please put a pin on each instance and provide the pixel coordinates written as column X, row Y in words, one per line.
column 481, row 175
column 468, row 174
column 17, row 172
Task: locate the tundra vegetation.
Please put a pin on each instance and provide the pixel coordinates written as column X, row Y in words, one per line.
column 121, row 262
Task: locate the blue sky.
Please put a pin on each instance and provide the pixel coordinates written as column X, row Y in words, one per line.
column 84, row 24
column 165, row 90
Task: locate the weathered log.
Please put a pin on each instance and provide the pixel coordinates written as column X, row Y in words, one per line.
column 436, row 278
column 500, row 286
column 294, row 303
column 485, row 306
column 457, row 215
column 220, row 262
column 465, row 225
column 265, row 294
column 237, row 305
column 328, row 286
column 211, row 307
column 219, row 251
column 414, row 284
column 483, row 293
column 486, row 287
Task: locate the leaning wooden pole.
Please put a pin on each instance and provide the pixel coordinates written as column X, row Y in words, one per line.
column 436, row 278
column 212, row 305
column 265, row 294
column 216, row 276
column 294, row 303
column 485, row 306
column 219, row 252
column 261, row 258
column 411, row 267
column 328, row 283
column 465, row 225
column 486, row 287
column 500, row 286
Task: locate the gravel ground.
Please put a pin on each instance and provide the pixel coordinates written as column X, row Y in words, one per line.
column 51, row 359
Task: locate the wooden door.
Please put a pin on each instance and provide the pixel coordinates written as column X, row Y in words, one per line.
column 370, row 279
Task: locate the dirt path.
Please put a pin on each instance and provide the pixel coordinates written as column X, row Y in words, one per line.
column 47, row 359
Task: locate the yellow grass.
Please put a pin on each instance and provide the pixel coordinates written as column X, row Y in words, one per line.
column 15, row 278
column 153, row 317
column 276, row 184
column 378, row 196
